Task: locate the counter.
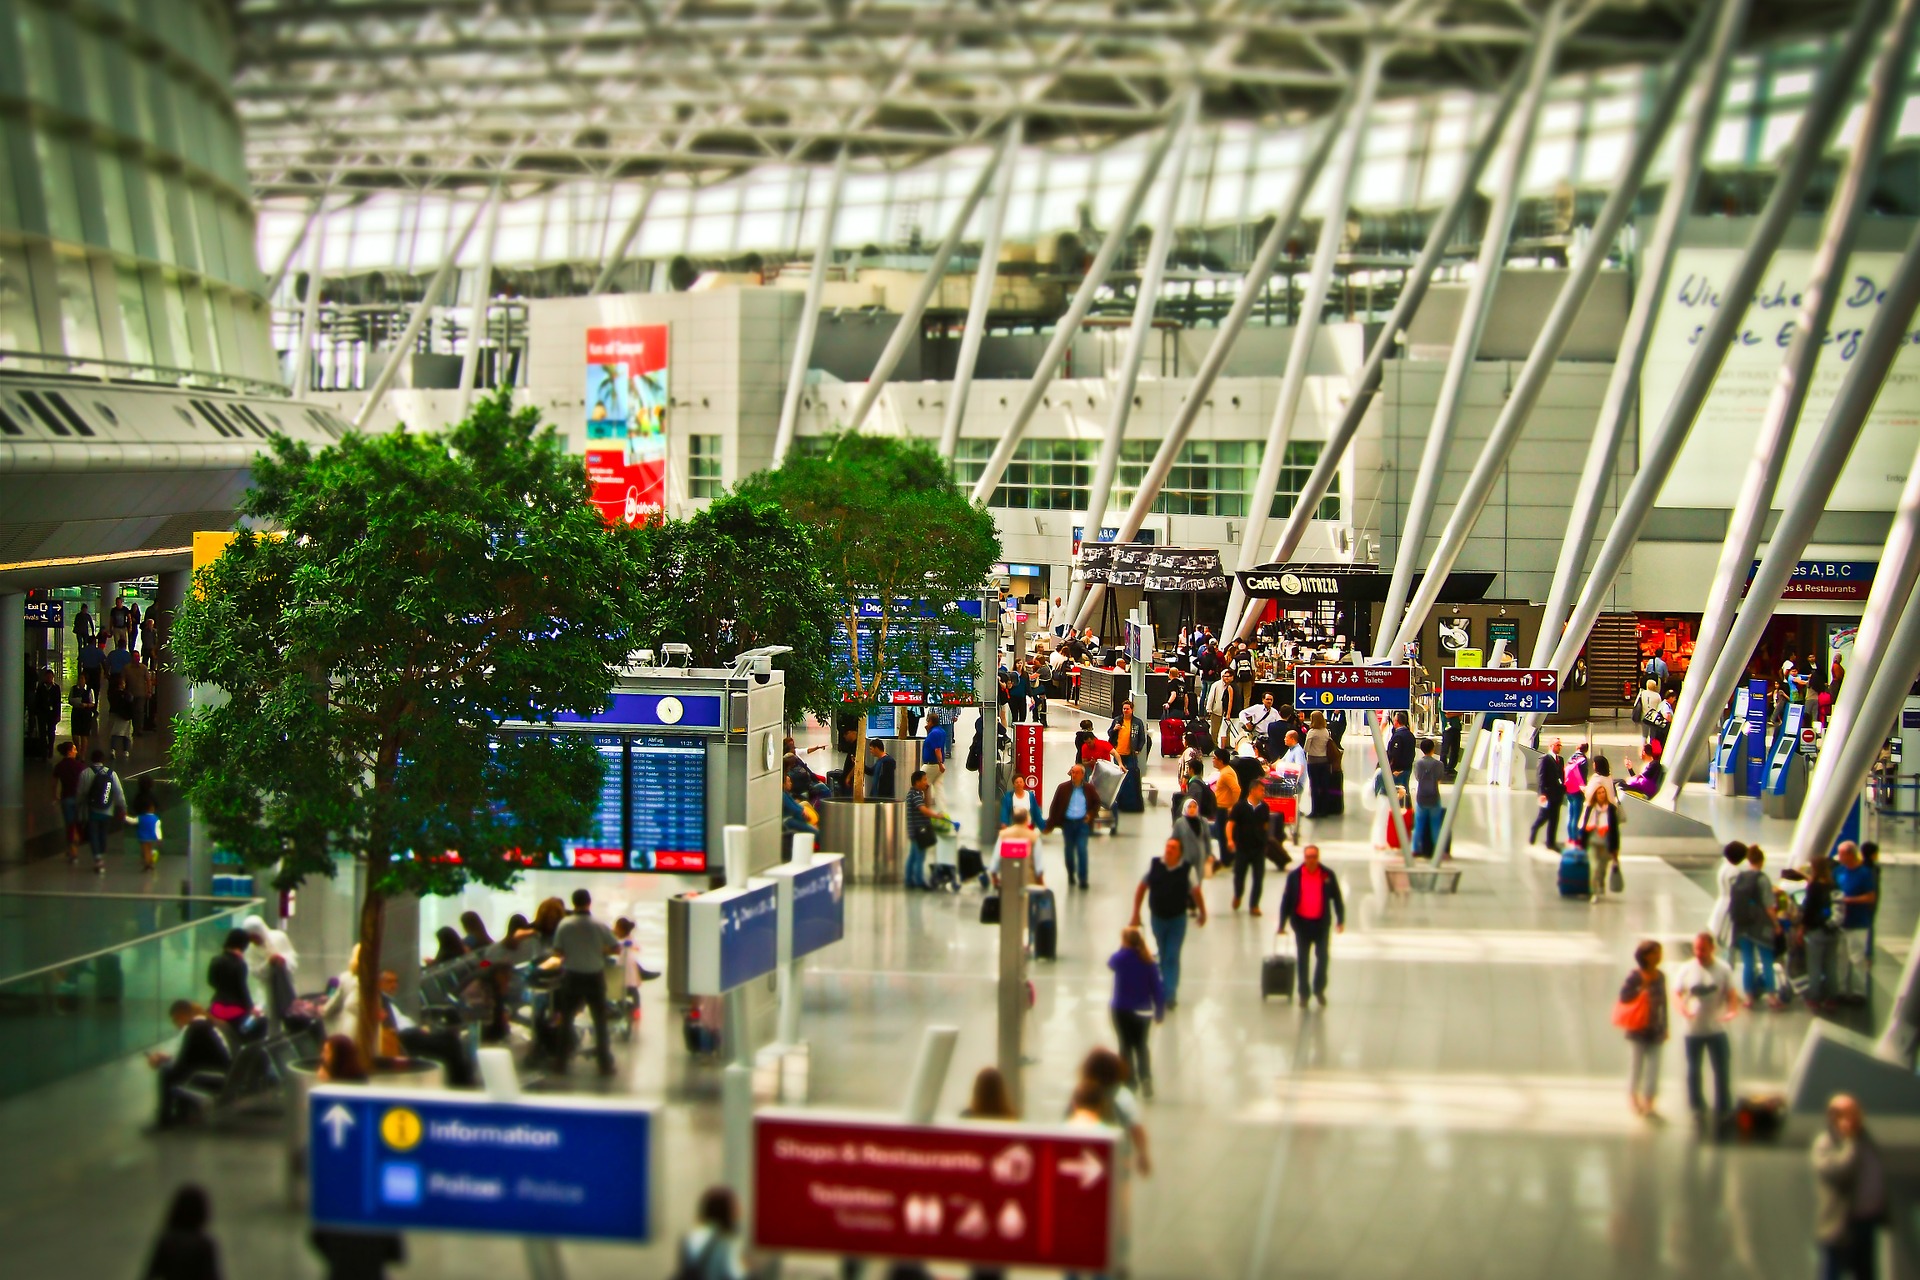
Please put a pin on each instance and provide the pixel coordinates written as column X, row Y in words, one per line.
column 1102, row 691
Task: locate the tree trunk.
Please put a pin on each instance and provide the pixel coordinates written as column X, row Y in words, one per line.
column 857, row 784
column 373, row 922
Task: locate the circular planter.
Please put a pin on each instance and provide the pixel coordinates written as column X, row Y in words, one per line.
column 872, row 834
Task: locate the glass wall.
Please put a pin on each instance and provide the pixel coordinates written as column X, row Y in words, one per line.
column 1209, row 477
column 126, row 223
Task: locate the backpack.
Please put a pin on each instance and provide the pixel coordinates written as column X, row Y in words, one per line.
column 1749, row 900
column 100, row 790
column 699, row 1266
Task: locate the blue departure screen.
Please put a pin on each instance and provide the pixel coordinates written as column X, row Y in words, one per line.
column 667, row 803
column 603, row 845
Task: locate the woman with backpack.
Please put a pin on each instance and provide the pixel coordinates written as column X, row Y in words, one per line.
column 1755, row 918
column 1820, row 932
column 1641, row 1012
column 712, row 1250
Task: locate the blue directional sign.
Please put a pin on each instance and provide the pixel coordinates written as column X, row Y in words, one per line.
column 1340, row 688
column 1756, row 736
column 46, row 613
column 401, row 1160
column 819, row 907
column 1499, row 690
column 733, row 937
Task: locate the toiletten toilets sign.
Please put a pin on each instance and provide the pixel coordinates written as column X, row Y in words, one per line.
column 1702, row 477
column 627, row 422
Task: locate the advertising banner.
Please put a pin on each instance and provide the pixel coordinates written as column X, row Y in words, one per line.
column 627, row 421
column 1724, row 432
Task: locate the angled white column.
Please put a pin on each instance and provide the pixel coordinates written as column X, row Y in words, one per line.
column 908, row 327
column 810, row 310
column 1826, row 457
column 1552, row 338
column 1662, row 444
column 1069, row 324
column 980, row 305
column 1346, row 127
column 418, row 320
column 1413, row 291
column 1621, row 398
column 617, row 256
column 302, row 376
column 1466, row 340
column 1145, row 304
column 482, row 298
column 1826, row 280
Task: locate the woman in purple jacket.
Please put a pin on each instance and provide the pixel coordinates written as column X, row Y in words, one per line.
column 1138, row 995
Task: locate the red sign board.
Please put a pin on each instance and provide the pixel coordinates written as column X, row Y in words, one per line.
column 627, row 401
column 1339, row 688
column 1029, row 752
column 994, row 1194
column 1499, row 690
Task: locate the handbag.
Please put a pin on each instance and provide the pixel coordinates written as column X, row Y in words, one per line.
column 1634, row 1015
column 1616, row 883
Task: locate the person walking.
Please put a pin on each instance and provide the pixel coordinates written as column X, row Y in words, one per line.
column 1857, row 883
column 1311, row 903
column 1219, row 699
column 1705, row 992
column 105, row 801
column 1139, row 1001
column 1646, row 704
column 1429, row 815
column 1257, row 720
column 1319, row 774
column 1550, row 781
column 584, row 946
column 713, row 1249
column 1167, row 890
column 1850, row 1193
column 1820, row 933
column 1400, row 752
column 1720, row 918
column 1248, row 830
column 1755, row 922
column 934, row 750
column 1576, row 790
column 920, row 834
column 1071, row 812
column 1129, row 740
column 1226, row 794
column 1601, row 826
column 184, row 1250
column 1190, row 829
column 1642, row 1013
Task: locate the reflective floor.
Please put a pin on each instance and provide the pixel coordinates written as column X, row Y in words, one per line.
column 1458, row 1109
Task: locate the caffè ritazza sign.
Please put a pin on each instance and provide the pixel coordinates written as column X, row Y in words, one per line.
column 1307, row 581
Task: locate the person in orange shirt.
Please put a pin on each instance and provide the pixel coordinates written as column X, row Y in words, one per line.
column 1129, row 739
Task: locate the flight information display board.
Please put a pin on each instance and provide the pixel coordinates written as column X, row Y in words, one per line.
column 902, row 686
column 667, row 803
column 603, row 846
column 953, row 665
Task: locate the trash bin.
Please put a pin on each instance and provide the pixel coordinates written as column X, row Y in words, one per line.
column 677, row 929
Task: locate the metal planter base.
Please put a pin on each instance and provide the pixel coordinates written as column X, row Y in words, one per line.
column 871, row 833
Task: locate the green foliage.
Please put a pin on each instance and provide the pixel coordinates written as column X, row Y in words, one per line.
column 738, row 575
column 426, row 587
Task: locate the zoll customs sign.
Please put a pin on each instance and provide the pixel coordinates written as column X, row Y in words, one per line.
column 1499, row 690
column 627, row 421
column 1000, row 1195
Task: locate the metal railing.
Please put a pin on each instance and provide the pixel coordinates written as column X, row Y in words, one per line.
column 95, row 369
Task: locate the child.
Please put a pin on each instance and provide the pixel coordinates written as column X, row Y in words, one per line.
column 629, row 967
column 148, row 833
column 1037, row 700
column 1083, row 737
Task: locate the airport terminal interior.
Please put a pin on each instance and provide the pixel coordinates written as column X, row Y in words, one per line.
column 959, row 638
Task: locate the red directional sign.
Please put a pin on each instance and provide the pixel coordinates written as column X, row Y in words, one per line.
column 1353, row 688
column 1499, row 689
column 995, row 1194
column 1029, row 752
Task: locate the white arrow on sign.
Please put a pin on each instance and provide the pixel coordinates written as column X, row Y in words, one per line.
column 1548, row 678
column 338, row 1121
column 1086, row 1167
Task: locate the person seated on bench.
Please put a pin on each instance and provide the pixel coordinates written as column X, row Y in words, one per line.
column 444, row 1045
column 201, row 1047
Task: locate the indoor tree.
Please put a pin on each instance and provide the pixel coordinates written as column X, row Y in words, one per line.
column 888, row 524
column 416, row 590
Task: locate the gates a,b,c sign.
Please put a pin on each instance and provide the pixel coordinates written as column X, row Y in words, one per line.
column 403, row 1160
column 1353, row 688
column 1497, row 690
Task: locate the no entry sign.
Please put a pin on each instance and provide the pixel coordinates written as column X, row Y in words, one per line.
column 996, row 1194
column 1499, row 689
column 1352, row 688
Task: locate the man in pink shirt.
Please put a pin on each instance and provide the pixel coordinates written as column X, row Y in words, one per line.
column 1311, row 904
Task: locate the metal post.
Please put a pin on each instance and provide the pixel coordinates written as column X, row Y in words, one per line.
column 293, row 247
column 170, row 686
column 1348, row 123
column 301, row 380
column 790, row 978
column 981, row 304
column 930, row 1074
column 1069, row 324
column 618, row 256
column 1826, row 279
column 908, row 326
column 810, row 310
column 1802, row 156
column 736, row 1078
column 1826, row 456
column 13, row 722
column 1013, row 974
column 421, row 313
column 1552, row 338
column 1621, row 399
column 482, row 299
column 1466, row 340
column 1443, row 842
column 1145, row 303
column 987, row 689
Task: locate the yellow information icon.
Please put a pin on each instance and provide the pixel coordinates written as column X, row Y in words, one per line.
column 400, row 1129
column 1326, row 698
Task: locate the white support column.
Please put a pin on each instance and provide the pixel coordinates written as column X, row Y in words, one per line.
column 1068, row 325
column 980, row 306
column 1826, row 280
column 1306, row 333
column 1145, row 305
column 1413, row 291
column 482, row 298
column 1466, row 340
column 1826, row 456
column 1251, row 287
column 617, row 257
column 1824, row 112
column 418, row 320
column 302, row 376
column 810, row 311
column 279, row 273
column 908, row 327
column 1552, row 338
column 1621, row 399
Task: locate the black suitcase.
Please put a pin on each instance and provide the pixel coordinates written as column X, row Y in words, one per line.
column 1046, row 940
column 941, row 878
column 970, row 865
column 990, row 909
column 1276, row 977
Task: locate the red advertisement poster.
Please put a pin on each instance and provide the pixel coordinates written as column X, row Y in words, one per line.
column 627, row 382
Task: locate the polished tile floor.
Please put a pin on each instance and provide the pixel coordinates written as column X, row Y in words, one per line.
column 1458, row 1109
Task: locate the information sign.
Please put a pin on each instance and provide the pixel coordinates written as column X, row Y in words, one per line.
column 404, row 1160
column 1499, row 690
column 1001, row 1195
column 1029, row 753
column 1756, row 735
column 46, row 613
column 733, row 937
column 1352, row 688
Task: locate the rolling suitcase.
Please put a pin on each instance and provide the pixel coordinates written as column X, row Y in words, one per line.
column 1575, row 873
column 1106, row 779
column 1172, row 737
column 1200, row 738
column 990, row 909
column 1042, row 921
column 970, row 864
column 1276, row 976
